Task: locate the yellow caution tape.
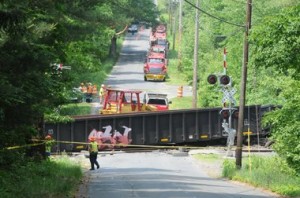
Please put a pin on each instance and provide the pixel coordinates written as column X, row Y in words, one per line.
column 121, row 145
column 22, row 146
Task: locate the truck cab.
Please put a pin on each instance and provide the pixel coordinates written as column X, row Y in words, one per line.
column 156, row 101
column 155, row 67
column 158, row 49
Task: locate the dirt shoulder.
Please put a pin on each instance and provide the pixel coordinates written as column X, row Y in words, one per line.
column 211, row 161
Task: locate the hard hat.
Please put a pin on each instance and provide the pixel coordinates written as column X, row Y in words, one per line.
column 81, row 84
column 48, row 137
column 102, row 85
column 92, row 139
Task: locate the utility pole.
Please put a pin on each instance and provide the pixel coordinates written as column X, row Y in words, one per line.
column 174, row 25
column 179, row 66
column 238, row 152
column 195, row 72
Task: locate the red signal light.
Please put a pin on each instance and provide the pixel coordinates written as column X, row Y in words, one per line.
column 225, row 80
column 212, row 79
column 224, row 114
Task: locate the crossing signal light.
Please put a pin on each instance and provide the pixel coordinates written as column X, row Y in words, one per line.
column 212, row 79
column 236, row 114
column 224, row 114
column 224, row 80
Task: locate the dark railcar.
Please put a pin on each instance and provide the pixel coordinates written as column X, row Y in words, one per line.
column 203, row 125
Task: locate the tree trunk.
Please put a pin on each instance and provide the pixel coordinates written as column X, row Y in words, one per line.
column 113, row 47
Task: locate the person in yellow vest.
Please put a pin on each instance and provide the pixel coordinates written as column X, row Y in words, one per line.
column 95, row 91
column 102, row 93
column 48, row 144
column 93, row 149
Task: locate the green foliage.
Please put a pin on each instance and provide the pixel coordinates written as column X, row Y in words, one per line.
column 267, row 172
column 208, row 157
column 273, row 69
column 229, row 169
column 275, row 46
column 36, row 34
column 276, row 42
column 76, row 109
column 285, row 124
column 181, row 103
column 41, row 179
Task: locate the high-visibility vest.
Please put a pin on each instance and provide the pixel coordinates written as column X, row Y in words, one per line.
column 48, row 145
column 101, row 91
column 94, row 147
column 95, row 89
column 90, row 89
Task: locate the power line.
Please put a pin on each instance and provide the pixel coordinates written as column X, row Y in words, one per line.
column 212, row 16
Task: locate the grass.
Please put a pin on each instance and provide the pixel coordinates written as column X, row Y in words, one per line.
column 181, row 103
column 266, row 172
column 49, row 178
column 270, row 173
column 208, row 157
column 76, row 109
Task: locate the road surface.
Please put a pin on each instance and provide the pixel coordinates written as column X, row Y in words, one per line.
column 160, row 174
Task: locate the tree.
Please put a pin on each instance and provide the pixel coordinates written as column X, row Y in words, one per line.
column 276, row 45
column 36, row 34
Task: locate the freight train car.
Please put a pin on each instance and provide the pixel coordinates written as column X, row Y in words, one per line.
column 188, row 126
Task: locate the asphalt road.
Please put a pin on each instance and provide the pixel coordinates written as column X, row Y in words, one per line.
column 160, row 174
column 128, row 72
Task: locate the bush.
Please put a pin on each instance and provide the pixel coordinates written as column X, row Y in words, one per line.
column 55, row 178
column 229, row 169
column 271, row 173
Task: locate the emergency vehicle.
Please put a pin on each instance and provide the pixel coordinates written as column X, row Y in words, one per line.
column 155, row 67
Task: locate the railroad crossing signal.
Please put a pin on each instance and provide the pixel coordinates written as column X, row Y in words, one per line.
column 212, row 79
column 59, row 66
column 223, row 80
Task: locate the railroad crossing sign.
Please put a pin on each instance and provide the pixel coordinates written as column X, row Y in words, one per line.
column 228, row 93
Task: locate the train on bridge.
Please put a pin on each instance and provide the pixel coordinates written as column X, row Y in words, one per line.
column 201, row 126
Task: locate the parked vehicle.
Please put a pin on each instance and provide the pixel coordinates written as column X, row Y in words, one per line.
column 156, row 101
column 159, row 49
column 76, row 96
column 133, row 28
column 155, row 67
column 122, row 101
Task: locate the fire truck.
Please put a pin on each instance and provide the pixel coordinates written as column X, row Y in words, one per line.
column 160, row 49
column 155, row 67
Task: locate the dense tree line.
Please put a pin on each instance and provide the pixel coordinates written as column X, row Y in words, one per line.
column 273, row 70
column 38, row 33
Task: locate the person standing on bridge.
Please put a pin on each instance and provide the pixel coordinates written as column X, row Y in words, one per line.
column 93, row 149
